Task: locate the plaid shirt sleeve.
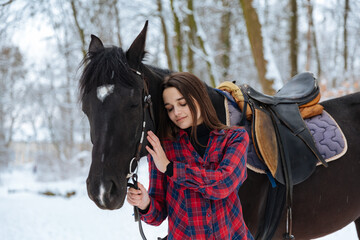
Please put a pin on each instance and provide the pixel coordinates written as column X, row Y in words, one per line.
column 229, row 175
column 157, row 212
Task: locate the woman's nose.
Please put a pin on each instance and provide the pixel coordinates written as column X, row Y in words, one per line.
column 176, row 111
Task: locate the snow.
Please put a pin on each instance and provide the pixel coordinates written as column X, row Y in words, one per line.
column 26, row 214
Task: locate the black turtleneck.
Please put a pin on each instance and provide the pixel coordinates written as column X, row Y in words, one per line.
column 202, row 133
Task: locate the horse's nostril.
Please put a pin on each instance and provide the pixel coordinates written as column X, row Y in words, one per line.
column 113, row 189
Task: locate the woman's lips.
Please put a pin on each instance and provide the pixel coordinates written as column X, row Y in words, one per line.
column 180, row 119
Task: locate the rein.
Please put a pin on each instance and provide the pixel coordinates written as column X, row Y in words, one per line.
column 133, row 167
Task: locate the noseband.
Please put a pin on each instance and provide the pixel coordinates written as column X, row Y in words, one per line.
column 133, row 167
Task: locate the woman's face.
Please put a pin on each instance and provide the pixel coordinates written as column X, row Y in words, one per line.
column 178, row 110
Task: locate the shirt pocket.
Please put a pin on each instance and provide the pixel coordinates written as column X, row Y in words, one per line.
column 213, row 160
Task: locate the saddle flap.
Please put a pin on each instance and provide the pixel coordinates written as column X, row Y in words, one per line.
column 265, row 135
column 279, row 139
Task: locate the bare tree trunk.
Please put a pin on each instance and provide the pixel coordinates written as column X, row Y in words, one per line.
column 165, row 34
column 208, row 63
column 12, row 73
column 253, row 27
column 117, row 19
column 293, row 38
column 194, row 27
column 225, row 39
column 191, row 37
column 79, row 28
column 311, row 41
column 346, row 12
column 317, row 55
column 179, row 41
column 308, row 37
column 3, row 147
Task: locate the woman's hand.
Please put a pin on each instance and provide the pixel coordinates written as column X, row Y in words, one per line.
column 157, row 152
column 138, row 197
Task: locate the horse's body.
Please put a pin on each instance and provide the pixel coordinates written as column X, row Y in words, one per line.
column 324, row 203
column 330, row 198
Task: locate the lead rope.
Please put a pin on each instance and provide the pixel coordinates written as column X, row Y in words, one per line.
column 134, row 177
column 136, row 209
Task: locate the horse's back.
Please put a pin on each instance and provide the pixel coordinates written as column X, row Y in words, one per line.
column 330, row 198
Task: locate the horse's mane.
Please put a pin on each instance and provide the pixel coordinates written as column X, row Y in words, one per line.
column 160, row 71
column 106, row 66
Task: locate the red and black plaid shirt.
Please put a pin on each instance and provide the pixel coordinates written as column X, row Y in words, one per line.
column 200, row 199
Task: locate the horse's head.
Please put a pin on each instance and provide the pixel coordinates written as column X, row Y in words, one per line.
column 112, row 96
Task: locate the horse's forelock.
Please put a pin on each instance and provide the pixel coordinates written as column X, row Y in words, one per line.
column 108, row 66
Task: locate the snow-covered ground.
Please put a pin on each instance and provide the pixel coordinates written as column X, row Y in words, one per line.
column 27, row 215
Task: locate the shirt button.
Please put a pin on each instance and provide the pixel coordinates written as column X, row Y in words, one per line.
column 209, row 214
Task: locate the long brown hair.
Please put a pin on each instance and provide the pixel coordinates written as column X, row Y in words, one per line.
column 192, row 89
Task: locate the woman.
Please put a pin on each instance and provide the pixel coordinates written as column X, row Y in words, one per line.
column 196, row 169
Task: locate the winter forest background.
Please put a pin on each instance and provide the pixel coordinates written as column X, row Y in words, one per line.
column 259, row 42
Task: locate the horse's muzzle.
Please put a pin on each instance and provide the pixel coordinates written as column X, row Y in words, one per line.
column 107, row 194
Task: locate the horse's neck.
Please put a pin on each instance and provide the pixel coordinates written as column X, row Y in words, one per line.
column 154, row 90
column 218, row 102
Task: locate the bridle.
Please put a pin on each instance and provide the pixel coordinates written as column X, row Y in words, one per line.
column 133, row 166
column 147, row 106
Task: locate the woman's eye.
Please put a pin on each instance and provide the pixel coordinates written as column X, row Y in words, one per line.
column 169, row 109
column 183, row 104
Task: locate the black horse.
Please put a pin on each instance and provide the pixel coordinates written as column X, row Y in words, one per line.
column 113, row 87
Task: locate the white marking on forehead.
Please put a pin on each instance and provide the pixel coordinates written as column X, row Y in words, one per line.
column 104, row 91
column 101, row 194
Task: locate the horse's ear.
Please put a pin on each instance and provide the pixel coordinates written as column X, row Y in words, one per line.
column 95, row 44
column 136, row 51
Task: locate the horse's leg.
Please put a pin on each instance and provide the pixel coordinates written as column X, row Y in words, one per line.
column 357, row 225
column 253, row 199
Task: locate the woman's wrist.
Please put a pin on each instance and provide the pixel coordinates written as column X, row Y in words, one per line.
column 164, row 165
column 146, row 206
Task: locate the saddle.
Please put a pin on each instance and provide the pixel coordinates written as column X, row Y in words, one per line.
column 281, row 140
column 277, row 127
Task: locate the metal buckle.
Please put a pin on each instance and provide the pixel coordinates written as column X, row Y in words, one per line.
column 130, row 174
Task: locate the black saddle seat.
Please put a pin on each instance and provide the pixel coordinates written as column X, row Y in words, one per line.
column 301, row 89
